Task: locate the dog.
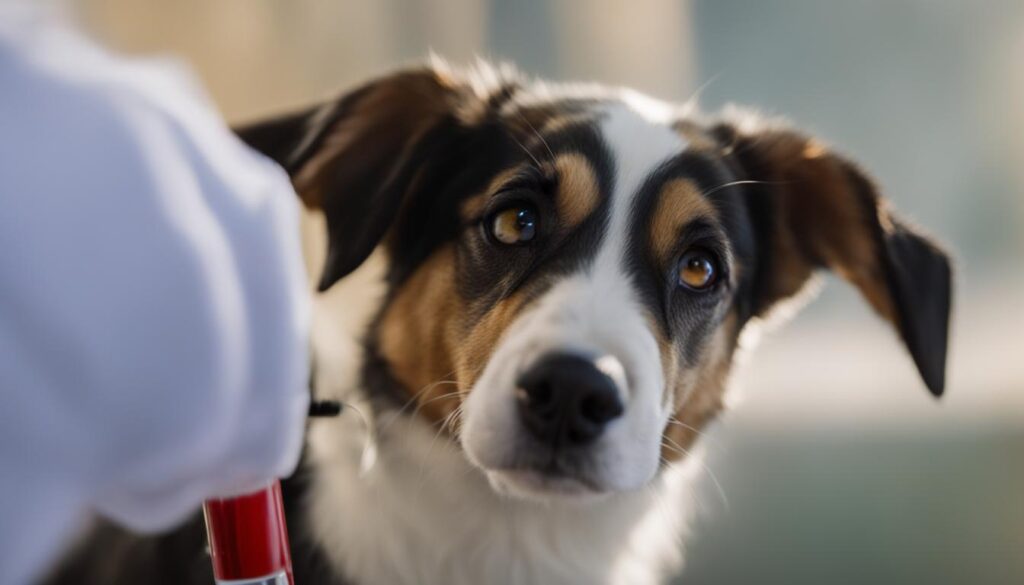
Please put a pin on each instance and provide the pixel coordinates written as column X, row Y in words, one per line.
column 541, row 290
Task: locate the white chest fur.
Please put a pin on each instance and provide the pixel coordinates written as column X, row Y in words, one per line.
column 411, row 509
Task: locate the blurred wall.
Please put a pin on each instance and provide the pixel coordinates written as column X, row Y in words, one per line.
column 258, row 56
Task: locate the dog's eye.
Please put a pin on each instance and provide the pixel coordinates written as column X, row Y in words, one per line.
column 698, row 270
column 515, row 225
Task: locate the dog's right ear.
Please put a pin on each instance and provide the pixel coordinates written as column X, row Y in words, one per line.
column 355, row 158
column 814, row 208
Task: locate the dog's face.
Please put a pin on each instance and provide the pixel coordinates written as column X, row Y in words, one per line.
column 570, row 270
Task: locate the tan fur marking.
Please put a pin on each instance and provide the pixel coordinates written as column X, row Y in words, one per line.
column 473, row 207
column 578, row 194
column 479, row 343
column 814, row 149
column 699, row 391
column 696, row 137
column 425, row 341
column 820, row 213
column 668, row 353
column 558, row 123
column 679, row 202
column 415, row 334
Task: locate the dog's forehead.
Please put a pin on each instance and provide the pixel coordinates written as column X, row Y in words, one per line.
column 635, row 144
column 621, row 141
column 639, row 142
column 636, row 132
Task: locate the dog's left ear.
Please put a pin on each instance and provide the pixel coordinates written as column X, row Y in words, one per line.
column 357, row 157
column 812, row 208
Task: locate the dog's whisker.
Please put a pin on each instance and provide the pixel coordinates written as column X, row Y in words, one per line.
column 694, row 98
column 452, row 418
column 444, row 380
column 536, row 161
column 415, row 397
column 680, row 450
column 659, row 496
column 675, row 444
column 420, row 405
column 442, row 427
column 703, row 435
column 427, row 387
column 677, row 450
column 718, row 188
column 433, row 441
column 551, row 153
column 368, row 453
column 362, row 416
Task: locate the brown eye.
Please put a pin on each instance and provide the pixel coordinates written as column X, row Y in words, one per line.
column 697, row 270
column 515, row 225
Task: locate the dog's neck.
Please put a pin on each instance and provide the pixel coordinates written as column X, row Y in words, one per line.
column 392, row 501
column 408, row 508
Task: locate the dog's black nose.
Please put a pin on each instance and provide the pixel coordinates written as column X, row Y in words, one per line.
column 565, row 400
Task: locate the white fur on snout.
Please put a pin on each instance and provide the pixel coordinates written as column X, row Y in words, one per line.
column 594, row 312
column 576, row 316
column 610, row 366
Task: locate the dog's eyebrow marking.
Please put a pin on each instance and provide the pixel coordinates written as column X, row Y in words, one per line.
column 473, row 207
column 578, row 193
column 559, row 123
column 578, row 190
column 679, row 202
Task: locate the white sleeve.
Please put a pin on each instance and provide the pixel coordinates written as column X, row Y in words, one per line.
column 153, row 306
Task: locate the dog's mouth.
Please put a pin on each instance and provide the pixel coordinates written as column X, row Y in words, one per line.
column 552, row 480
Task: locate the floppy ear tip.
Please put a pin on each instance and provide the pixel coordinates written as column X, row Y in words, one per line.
column 933, row 370
column 343, row 258
column 334, row 269
column 937, row 386
column 324, row 284
column 921, row 280
column 333, row 272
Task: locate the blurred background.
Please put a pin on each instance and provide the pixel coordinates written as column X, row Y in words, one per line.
column 837, row 466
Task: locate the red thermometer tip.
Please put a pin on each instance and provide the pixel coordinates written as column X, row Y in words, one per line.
column 249, row 538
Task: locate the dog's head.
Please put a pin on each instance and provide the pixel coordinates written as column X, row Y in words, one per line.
column 579, row 263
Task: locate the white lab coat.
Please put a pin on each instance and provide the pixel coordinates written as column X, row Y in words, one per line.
column 153, row 304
